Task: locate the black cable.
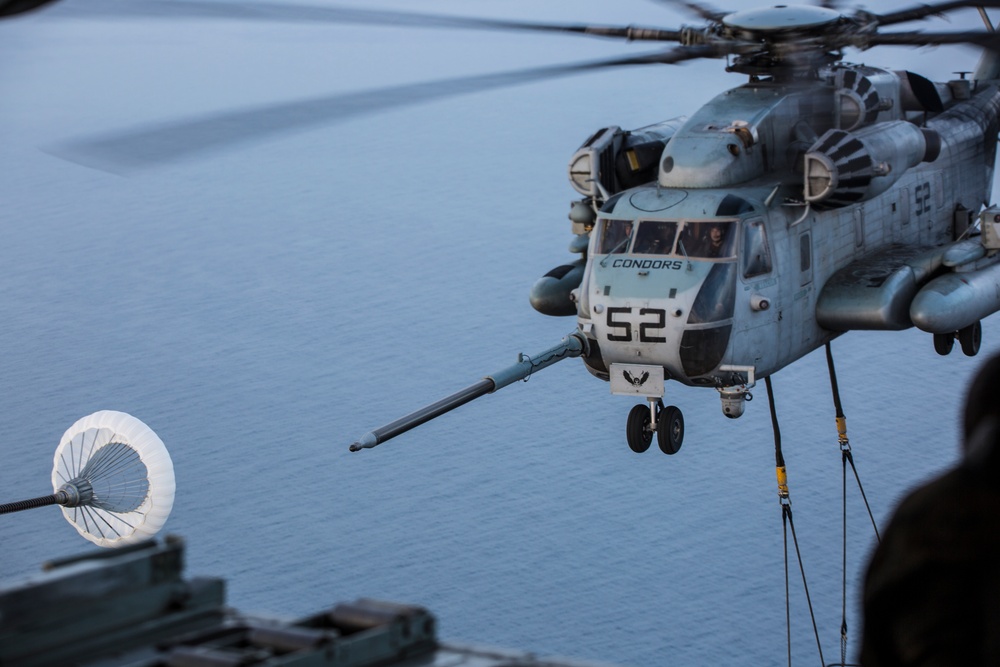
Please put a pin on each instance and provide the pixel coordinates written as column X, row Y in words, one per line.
column 845, row 444
column 843, row 584
column 847, row 456
column 861, row 488
column 805, row 586
column 786, row 517
column 779, row 465
column 833, row 382
column 779, row 459
column 845, row 449
column 788, row 596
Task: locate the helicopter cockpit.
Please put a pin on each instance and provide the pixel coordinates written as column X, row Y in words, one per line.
column 663, row 292
column 697, row 239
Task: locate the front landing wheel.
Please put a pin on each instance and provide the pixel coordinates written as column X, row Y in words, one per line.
column 670, row 429
column 638, row 429
column 971, row 337
column 943, row 343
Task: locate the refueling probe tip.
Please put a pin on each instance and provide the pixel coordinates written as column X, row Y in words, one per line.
column 367, row 441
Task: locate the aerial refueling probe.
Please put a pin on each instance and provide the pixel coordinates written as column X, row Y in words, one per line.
column 573, row 345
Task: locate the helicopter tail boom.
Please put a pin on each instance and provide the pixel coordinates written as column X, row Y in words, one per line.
column 573, row 345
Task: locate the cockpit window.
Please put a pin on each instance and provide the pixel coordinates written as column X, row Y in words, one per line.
column 615, row 236
column 708, row 239
column 655, row 237
column 756, row 256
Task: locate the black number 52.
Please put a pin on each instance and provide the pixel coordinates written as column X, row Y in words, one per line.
column 647, row 330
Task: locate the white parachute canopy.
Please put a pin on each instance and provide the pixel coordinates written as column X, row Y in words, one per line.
column 131, row 474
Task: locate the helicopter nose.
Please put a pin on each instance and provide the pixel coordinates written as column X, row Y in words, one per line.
column 702, row 350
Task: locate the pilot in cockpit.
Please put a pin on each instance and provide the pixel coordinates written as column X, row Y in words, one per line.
column 708, row 239
column 713, row 245
column 655, row 237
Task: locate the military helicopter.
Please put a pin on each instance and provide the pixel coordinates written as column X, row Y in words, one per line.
column 818, row 197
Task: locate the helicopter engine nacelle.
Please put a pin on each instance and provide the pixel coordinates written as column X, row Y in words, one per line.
column 862, row 94
column 612, row 159
column 843, row 168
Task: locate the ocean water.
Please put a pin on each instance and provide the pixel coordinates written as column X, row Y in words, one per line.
column 261, row 308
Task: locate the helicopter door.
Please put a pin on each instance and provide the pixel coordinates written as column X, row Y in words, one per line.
column 754, row 323
column 805, row 311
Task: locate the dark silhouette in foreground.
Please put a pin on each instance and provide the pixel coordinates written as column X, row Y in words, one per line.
column 932, row 591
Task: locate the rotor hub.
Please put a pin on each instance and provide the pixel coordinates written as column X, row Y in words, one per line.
column 781, row 18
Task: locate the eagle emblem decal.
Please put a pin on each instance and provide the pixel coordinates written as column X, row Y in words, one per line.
column 636, row 381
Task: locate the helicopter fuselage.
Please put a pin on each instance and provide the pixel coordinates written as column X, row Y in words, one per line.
column 732, row 264
column 818, row 198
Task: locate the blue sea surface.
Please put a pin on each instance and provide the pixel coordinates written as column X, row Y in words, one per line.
column 263, row 307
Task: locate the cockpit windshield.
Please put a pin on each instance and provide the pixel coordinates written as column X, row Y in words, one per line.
column 715, row 239
column 655, row 237
column 709, row 239
column 615, row 236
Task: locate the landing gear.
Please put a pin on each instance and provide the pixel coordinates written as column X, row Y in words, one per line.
column 670, row 429
column 970, row 338
column 943, row 343
column 667, row 422
column 638, row 430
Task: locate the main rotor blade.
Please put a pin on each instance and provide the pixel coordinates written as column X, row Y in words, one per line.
column 697, row 8
column 150, row 146
column 922, row 11
column 15, row 7
column 986, row 40
column 294, row 13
